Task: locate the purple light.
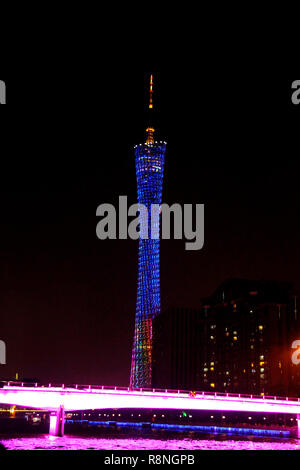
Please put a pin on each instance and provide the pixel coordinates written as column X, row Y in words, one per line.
column 52, row 425
column 75, row 400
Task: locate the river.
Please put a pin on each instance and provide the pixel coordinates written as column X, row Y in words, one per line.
column 144, row 440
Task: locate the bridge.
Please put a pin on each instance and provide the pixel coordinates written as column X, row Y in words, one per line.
column 58, row 399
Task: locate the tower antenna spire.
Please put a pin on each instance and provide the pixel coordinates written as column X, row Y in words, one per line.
column 151, row 92
column 150, row 131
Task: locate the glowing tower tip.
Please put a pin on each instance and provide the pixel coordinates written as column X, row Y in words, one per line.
column 150, row 131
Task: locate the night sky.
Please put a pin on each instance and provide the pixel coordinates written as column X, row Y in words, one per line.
column 67, row 299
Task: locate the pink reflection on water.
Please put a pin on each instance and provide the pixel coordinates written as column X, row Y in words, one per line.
column 90, row 443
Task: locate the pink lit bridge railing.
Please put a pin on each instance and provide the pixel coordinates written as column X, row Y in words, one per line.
column 60, row 398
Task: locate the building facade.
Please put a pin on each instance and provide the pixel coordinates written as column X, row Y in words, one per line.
column 239, row 341
column 177, row 354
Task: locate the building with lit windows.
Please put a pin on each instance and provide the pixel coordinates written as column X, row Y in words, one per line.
column 150, row 159
column 239, row 341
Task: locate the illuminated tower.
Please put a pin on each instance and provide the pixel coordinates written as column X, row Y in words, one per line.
column 150, row 159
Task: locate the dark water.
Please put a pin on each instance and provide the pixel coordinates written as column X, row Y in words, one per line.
column 146, row 441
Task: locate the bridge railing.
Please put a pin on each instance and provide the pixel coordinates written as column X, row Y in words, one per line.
column 20, row 384
column 192, row 394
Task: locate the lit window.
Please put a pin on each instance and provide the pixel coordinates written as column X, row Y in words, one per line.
column 212, row 385
column 260, row 328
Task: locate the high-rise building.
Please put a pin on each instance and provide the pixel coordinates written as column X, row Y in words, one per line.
column 150, row 159
column 249, row 330
column 177, row 349
column 239, row 341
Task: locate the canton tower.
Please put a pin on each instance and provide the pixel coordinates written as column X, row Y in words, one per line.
column 149, row 160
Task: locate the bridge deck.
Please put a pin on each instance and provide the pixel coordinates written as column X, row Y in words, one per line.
column 89, row 397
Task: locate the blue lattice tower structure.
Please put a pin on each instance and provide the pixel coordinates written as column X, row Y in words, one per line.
column 150, row 161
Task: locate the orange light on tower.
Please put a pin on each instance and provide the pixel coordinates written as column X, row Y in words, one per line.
column 150, row 130
column 150, row 135
column 151, row 92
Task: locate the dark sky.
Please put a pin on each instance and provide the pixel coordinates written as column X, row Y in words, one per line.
column 67, row 300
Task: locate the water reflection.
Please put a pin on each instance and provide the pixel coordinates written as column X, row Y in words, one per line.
column 157, row 441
